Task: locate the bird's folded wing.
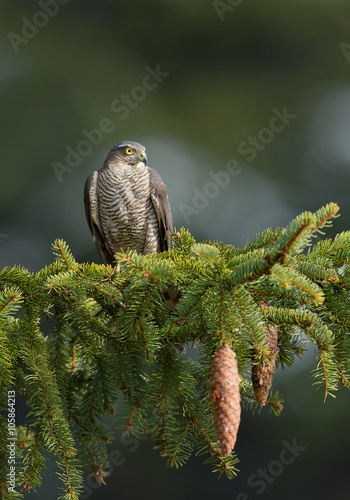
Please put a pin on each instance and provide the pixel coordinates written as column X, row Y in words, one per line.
column 162, row 207
column 93, row 218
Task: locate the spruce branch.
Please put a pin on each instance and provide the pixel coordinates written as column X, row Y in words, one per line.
column 111, row 347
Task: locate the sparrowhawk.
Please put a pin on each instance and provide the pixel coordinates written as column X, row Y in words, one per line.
column 126, row 204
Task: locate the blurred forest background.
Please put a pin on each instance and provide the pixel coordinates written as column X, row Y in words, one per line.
column 224, row 70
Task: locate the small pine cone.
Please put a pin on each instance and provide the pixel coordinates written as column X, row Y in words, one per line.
column 262, row 373
column 226, row 398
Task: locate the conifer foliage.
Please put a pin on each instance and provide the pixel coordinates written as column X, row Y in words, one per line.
column 84, row 341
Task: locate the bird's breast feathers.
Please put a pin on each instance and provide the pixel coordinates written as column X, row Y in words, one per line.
column 125, row 189
column 125, row 204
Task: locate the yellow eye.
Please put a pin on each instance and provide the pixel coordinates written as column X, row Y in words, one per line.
column 129, row 151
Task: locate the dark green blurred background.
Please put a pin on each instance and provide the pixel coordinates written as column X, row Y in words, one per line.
column 225, row 69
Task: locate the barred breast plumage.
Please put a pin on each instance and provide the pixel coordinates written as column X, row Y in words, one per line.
column 126, row 204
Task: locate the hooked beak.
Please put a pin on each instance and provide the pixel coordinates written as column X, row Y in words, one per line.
column 143, row 157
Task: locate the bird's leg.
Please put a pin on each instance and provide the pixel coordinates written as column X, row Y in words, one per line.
column 117, row 269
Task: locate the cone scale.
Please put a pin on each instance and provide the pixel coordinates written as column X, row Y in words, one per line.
column 262, row 373
column 226, row 398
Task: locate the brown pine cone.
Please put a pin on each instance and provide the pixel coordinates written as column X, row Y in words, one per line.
column 226, row 398
column 262, row 373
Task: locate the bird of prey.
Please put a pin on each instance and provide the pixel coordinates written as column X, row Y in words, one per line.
column 126, row 204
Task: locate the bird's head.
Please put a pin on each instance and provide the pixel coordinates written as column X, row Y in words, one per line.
column 128, row 153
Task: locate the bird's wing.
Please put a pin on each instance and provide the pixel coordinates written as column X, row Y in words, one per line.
column 93, row 218
column 162, row 207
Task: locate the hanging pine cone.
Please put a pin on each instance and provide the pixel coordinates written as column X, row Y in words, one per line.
column 226, row 398
column 262, row 373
